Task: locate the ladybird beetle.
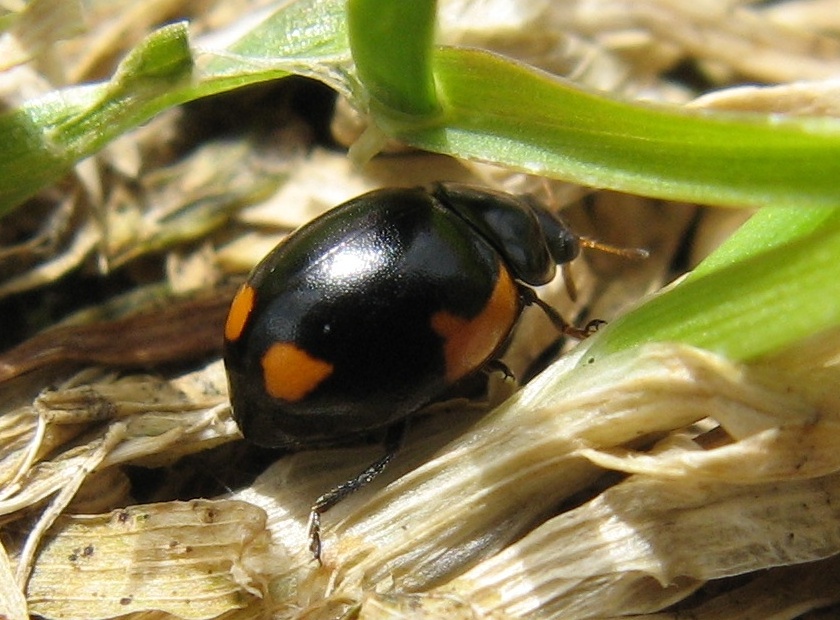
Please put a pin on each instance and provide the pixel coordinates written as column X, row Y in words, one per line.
column 375, row 309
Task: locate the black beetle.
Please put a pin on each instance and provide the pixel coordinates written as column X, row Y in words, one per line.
column 375, row 309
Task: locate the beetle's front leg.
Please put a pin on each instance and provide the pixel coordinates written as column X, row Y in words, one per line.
column 530, row 298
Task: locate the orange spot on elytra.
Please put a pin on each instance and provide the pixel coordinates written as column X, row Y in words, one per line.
column 468, row 343
column 290, row 373
column 240, row 310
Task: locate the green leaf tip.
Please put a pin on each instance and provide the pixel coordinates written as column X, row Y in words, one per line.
column 164, row 54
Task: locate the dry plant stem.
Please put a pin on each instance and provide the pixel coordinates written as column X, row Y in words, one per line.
column 522, row 460
column 655, row 536
column 695, row 510
column 776, row 595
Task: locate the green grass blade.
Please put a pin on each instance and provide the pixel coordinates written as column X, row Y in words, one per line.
column 479, row 106
column 498, row 111
column 775, row 282
column 307, row 37
column 45, row 137
column 392, row 48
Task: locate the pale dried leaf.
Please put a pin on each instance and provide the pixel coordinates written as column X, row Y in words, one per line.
column 83, row 243
column 12, row 600
column 797, row 98
column 72, row 483
column 325, row 178
column 731, row 35
column 653, row 535
column 38, row 26
column 775, row 595
column 163, row 421
column 181, row 558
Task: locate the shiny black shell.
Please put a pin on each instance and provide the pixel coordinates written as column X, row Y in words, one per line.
column 373, row 310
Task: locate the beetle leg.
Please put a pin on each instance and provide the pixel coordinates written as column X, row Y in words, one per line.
column 568, row 280
column 393, row 442
column 529, row 297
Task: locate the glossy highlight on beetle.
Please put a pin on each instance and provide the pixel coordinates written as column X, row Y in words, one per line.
column 373, row 310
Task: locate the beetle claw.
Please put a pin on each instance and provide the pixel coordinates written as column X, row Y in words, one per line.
column 497, row 365
column 314, row 533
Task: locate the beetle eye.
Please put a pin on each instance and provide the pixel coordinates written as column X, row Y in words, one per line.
column 562, row 243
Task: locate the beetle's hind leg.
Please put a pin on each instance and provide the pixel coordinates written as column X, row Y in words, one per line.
column 530, row 298
column 393, row 442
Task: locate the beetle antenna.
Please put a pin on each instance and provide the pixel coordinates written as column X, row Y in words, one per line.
column 634, row 253
column 586, row 242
